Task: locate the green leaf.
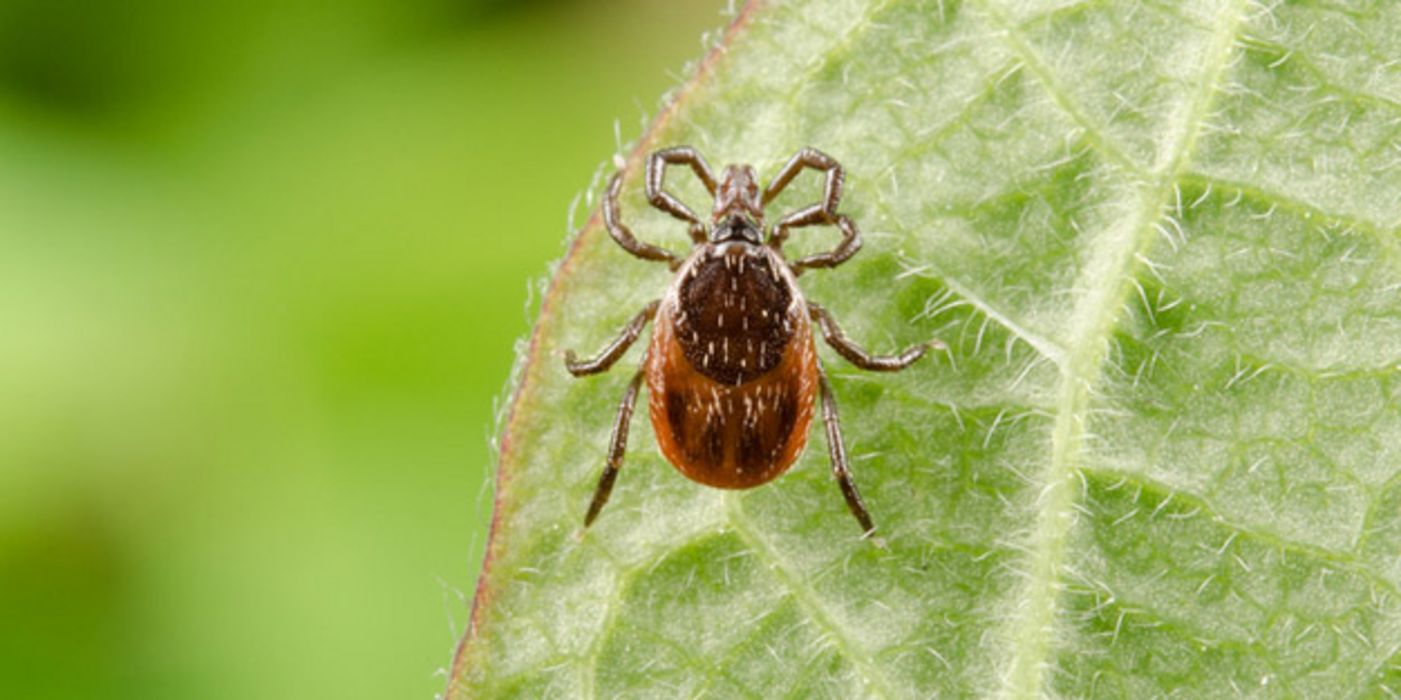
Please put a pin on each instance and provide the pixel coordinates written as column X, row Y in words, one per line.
column 1161, row 456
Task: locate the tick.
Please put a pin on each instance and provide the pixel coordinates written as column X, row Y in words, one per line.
column 732, row 372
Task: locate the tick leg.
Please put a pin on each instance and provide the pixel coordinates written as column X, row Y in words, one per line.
column 858, row 356
column 837, row 451
column 623, row 235
column 616, row 447
column 823, row 212
column 817, row 160
column 850, row 243
column 615, row 349
column 661, row 199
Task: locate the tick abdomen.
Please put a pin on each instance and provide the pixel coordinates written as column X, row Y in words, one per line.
column 730, row 370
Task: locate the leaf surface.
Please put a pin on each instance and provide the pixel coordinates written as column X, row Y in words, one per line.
column 1161, row 455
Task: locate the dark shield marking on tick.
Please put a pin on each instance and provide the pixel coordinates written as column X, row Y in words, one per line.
column 731, row 372
column 729, row 331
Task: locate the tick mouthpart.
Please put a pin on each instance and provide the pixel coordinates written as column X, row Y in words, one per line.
column 738, row 195
column 737, row 229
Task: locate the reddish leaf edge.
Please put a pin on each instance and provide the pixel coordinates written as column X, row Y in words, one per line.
column 645, row 143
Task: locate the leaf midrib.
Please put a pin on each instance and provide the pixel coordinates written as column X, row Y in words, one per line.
column 1106, row 278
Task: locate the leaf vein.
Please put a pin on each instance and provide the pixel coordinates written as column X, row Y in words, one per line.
column 808, row 600
column 1345, row 560
column 1037, row 65
column 1046, row 347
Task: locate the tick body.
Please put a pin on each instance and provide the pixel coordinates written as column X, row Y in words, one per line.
column 732, row 372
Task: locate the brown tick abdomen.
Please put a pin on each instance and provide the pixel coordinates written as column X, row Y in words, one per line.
column 731, row 379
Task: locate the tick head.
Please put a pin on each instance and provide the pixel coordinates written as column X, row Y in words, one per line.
column 738, row 197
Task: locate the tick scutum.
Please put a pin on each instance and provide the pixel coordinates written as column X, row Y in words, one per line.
column 734, row 323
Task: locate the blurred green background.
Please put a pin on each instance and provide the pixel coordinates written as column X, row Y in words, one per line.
column 262, row 267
